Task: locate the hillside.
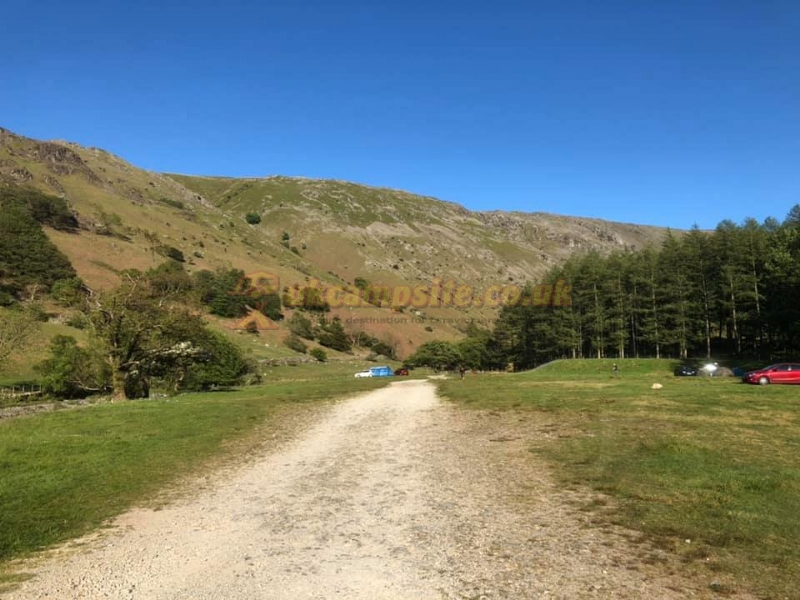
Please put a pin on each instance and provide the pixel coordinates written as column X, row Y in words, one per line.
column 337, row 231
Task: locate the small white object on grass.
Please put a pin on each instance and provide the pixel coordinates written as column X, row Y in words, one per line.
column 657, row 386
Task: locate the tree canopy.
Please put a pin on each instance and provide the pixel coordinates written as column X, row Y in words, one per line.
column 27, row 256
column 733, row 291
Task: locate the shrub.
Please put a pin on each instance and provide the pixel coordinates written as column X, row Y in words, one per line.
column 171, row 252
column 173, row 203
column 312, row 299
column 319, row 354
column 68, row 292
column 385, row 349
column 224, row 364
column 333, row 335
column 253, row 218
column 439, row 355
column 38, row 313
column 72, row 371
column 168, row 278
column 301, row 326
column 77, row 321
column 229, row 293
column 46, row 209
column 295, row 343
column 6, row 298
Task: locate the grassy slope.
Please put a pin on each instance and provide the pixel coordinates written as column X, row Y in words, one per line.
column 65, row 473
column 21, row 363
column 348, row 230
column 711, row 461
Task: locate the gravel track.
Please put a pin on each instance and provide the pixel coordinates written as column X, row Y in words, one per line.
column 388, row 495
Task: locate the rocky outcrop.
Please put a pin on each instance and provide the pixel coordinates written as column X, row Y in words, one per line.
column 61, row 160
column 11, row 172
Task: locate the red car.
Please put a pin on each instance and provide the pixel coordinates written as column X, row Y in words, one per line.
column 779, row 373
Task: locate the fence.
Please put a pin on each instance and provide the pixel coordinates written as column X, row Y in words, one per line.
column 20, row 392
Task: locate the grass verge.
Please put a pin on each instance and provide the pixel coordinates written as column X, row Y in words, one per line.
column 712, row 461
column 65, row 473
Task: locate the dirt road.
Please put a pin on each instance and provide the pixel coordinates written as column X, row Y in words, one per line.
column 390, row 495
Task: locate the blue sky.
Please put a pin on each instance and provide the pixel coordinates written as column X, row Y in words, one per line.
column 668, row 113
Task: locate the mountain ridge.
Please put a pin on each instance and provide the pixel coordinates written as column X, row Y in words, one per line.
column 326, row 229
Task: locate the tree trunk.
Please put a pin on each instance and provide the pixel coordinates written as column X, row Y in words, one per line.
column 759, row 325
column 598, row 325
column 655, row 317
column 117, row 384
column 734, row 317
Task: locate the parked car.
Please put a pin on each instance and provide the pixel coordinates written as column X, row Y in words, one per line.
column 685, row 371
column 364, row 373
column 384, row 371
column 401, row 372
column 778, row 373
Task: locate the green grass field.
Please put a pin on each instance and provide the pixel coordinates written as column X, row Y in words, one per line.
column 713, row 461
column 64, row 473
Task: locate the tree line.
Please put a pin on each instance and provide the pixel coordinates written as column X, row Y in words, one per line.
column 734, row 291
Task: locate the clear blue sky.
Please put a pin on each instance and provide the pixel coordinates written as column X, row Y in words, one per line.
column 665, row 113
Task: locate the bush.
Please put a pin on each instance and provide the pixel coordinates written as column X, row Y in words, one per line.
column 253, row 218
column 229, row 294
column 295, row 343
column 319, row 354
column 224, row 366
column 77, row 321
column 72, row 371
column 68, row 292
column 46, row 209
column 301, row 326
column 168, row 279
column 171, row 252
column 6, row 298
column 173, row 203
column 333, row 335
column 38, row 313
column 439, row 355
column 312, row 299
column 385, row 348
